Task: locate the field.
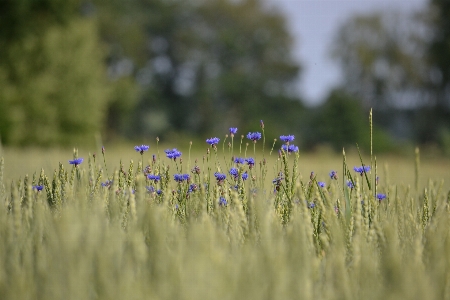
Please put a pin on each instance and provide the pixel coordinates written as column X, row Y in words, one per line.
column 100, row 231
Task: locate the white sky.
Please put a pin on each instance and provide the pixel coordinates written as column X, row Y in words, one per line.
column 313, row 24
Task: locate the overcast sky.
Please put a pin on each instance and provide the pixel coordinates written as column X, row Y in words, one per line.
column 313, row 24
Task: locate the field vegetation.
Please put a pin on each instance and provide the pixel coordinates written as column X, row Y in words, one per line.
column 245, row 221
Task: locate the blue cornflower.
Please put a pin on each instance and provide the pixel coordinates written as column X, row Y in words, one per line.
column 223, row 201
column 213, row 141
column 239, row 160
column 254, row 136
column 233, row 131
column 289, row 148
column 76, row 161
column 350, row 184
column 381, row 196
column 192, row 188
column 141, row 148
column 321, row 184
column 361, row 170
column 287, row 138
column 38, row 187
column 150, row 189
column 311, row 205
column 245, row 175
column 154, row 177
column 234, row 172
column 107, row 183
column 181, row 177
column 172, row 153
column 250, row 162
column 220, row 176
column 333, row 175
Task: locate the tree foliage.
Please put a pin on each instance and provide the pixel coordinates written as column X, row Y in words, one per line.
column 203, row 62
column 51, row 74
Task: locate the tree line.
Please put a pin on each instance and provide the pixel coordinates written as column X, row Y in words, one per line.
column 146, row 68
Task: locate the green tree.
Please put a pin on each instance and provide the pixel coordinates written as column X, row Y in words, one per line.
column 203, row 65
column 51, row 73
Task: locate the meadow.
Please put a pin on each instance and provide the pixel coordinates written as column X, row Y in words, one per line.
column 245, row 221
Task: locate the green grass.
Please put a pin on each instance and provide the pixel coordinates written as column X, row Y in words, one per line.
column 79, row 240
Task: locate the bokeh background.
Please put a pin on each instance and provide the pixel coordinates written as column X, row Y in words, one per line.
column 85, row 72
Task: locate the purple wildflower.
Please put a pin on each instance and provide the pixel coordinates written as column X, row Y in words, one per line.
column 333, row 175
column 239, row 160
column 233, row 131
column 154, row 177
column 321, row 184
column 141, row 148
column 289, row 148
column 213, row 141
column 287, row 138
column 172, row 153
column 361, row 170
column 223, row 201
column 381, row 196
column 38, row 187
column 76, row 161
column 181, row 177
column 250, row 162
column 254, row 136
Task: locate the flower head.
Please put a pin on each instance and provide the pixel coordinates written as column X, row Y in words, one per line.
column 233, row 131
column 107, row 183
column 38, row 187
column 350, row 184
column 220, row 177
column 223, row 201
column 213, row 141
column 381, row 196
column 250, row 162
column 254, row 136
column 181, row 177
column 192, row 188
column 244, row 175
column 289, row 148
column 234, row 172
column 239, row 160
column 154, row 177
column 321, row 184
column 141, row 148
column 172, row 153
column 333, row 175
column 287, row 138
column 76, row 161
column 361, row 170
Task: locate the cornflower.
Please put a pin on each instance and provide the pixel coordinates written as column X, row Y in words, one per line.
column 361, row 170
column 181, row 177
column 233, row 131
column 213, row 141
column 289, row 148
column 141, row 148
column 287, row 138
column 333, row 175
column 239, row 160
column 172, row 153
column 321, row 184
column 381, row 196
column 234, row 172
column 107, row 183
column 350, row 184
column 155, row 178
column 223, row 201
column 250, row 162
column 254, row 136
column 220, row 177
column 76, row 161
column 38, row 187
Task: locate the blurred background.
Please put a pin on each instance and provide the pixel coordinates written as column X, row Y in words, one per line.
column 73, row 72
